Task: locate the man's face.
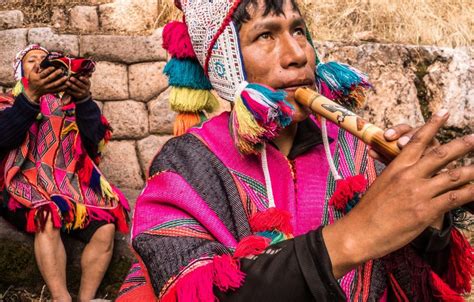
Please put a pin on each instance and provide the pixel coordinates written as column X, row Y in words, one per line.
column 276, row 53
column 32, row 60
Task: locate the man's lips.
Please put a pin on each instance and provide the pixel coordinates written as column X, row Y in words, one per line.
column 291, row 87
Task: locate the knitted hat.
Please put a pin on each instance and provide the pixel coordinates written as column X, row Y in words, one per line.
column 17, row 63
column 206, row 55
column 18, row 67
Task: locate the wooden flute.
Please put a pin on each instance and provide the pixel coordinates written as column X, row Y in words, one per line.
column 346, row 119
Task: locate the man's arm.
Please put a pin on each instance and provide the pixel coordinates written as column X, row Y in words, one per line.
column 91, row 127
column 15, row 122
column 293, row 270
column 407, row 197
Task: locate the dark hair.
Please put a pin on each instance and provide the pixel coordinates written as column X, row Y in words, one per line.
column 241, row 14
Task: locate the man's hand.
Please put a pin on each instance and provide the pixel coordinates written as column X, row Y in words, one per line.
column 403, row 133
column 43, row 82
column 405, row 199
column 79, row 88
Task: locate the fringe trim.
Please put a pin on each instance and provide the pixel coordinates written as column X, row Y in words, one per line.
column 460, row 272
column 197, row 285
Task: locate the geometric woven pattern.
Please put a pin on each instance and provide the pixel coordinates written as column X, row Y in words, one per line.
column 215, row 43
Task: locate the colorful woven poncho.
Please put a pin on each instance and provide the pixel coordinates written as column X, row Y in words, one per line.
column 222, row 206
column 51, row 173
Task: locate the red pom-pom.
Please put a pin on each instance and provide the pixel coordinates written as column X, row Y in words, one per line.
column 272, row 219
column 251, row 245
column 177, row 42
column 346, row 190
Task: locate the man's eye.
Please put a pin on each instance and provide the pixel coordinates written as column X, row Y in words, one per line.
column 300, row 32
column 264, row 36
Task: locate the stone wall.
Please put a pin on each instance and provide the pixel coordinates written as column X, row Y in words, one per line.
column 410, row 83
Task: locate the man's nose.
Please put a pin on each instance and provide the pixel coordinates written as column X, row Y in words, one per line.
column 293, row 53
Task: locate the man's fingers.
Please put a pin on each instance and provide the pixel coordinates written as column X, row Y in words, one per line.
column 53, row 76
column 57, row 83
column 58, row 89
column 46, row 72
column 73, row 87
column 81, row 82
column 443, row 155
column 455, row 198
column 451, row 179
column 397, row 131
column 423, row 138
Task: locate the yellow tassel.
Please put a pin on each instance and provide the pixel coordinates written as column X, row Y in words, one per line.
column 81, row 215
column 248, row 128
column 101, row 146
column 17, row 89
column 71, row 127
column 192, row 100
column 107, row 191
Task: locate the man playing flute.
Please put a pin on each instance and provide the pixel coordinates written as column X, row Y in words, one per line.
column 265, row 203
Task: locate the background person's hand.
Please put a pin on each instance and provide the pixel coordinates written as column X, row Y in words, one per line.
column 79, row 88
column 405, row 199
column 41, row 82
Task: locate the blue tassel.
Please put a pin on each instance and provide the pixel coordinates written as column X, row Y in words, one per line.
column 186, row 73
column 61, row 203
column 341, row 78
column 95, row 180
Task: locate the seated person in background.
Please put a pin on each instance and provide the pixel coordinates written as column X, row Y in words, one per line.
column 249, row 206
column 52, row 134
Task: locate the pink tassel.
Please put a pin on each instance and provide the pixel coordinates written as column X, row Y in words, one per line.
column 78, row 149
column 272, row 219
column 251, row 245
column 120, row 219
column 442, row 291
column 69, row 106
column 346, row 190
column 84, row 170
column 326, row 91
column 55, row 217
column 197, row 285
column 99, row 214
column 461, row 263
column 30, row 221
column 108, row 133
column 122, row 199
column 176, row 40
column 13, row 205
column 227, row 274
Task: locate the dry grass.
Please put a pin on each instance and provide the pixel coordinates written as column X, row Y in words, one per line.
column 432, row 22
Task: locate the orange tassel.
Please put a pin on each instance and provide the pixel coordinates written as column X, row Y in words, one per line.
column 184, row 121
